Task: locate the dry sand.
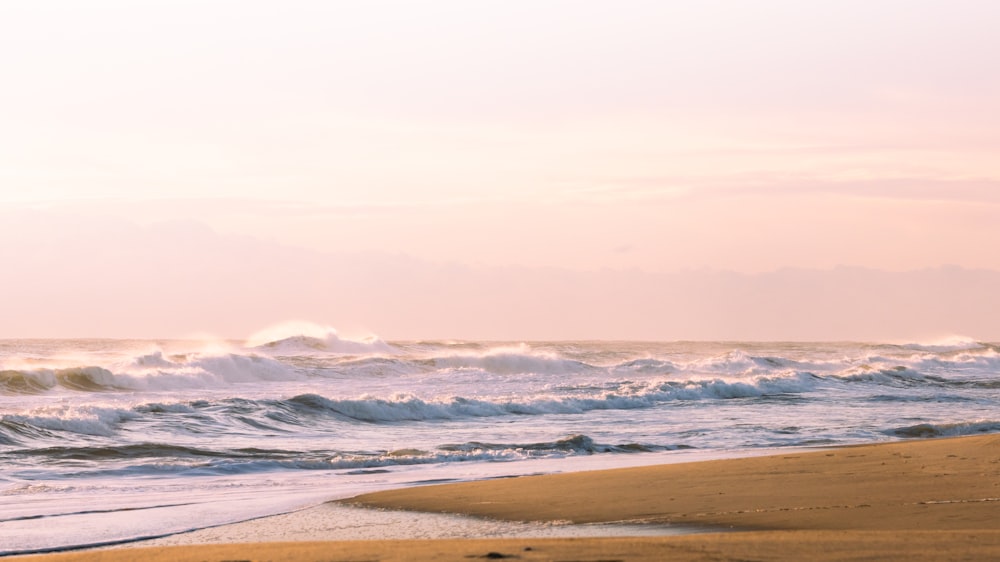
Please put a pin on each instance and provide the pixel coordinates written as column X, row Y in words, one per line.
column 918, row 500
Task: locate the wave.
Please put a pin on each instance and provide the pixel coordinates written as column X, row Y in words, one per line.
column 329, row 344
column 306, row 337
column 144, row 451
column 625, row 397
column 901, row 376
column 54, row 422
column 646, row 365
column 366, row 367
column 572, row 444
column 161, row 459
column 152, row 371
column 203, row 417
column 472, row 451
column 984, row 360
column 946, row 430
column 522, row 359
column 513, row 360
column 302, row 358
column 26, row 382
column 952, row 343
column 739, row 362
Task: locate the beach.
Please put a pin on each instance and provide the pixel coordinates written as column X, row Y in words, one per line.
column 570, row 280
column 930, row 499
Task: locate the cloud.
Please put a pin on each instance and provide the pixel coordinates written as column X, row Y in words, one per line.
column 86, row 278
column 763, row 185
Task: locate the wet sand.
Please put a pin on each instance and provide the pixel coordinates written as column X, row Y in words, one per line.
column 933, row 499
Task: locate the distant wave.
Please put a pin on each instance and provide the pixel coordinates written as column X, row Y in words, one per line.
column 513, row 360
column 739, row 362
column 306, row 337
column 304, row 358
column 293, row 359
column 895, row 376
column 902, row 376
column 329, row 344
column 953, row 343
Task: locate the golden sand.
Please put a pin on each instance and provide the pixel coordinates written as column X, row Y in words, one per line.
column 916, row 500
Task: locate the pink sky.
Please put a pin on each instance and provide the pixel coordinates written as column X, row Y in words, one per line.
column 647, row 137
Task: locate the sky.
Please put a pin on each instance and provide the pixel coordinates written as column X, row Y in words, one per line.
column 455, row 138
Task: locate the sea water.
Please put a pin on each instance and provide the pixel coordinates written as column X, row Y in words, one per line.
column 110, row 441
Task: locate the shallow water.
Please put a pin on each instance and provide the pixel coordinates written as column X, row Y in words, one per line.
column 332, row 522
column 111, row 440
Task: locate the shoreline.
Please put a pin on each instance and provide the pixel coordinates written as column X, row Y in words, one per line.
column 921, row 499
column 951, row 482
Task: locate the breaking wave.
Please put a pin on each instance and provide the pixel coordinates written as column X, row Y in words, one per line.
column 152, row 371
column 732, row 374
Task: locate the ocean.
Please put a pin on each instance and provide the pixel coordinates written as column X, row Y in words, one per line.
column 110, row 441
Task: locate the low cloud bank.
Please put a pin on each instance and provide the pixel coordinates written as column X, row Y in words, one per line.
column 116, row 279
